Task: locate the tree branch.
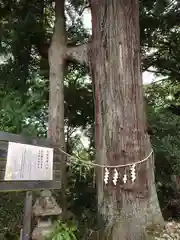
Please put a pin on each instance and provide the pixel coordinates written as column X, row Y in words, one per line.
column 79, row 53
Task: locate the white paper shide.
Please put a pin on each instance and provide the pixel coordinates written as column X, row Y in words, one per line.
column 28, row 162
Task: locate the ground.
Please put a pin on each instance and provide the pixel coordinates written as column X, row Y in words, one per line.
column 170, row 232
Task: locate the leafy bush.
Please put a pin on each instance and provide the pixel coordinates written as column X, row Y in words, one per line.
column 63, row 232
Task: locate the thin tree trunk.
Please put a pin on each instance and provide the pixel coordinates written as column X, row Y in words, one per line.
column 57, row 52
column 120, row 120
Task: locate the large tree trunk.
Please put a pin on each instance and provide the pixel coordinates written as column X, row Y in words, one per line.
column 57, row 52
column 120, row 120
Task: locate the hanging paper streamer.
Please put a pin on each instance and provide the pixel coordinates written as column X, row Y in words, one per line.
column 106, row 176
column 115, row 177
column 94, row 178
column 125, row 178
column 133, row 172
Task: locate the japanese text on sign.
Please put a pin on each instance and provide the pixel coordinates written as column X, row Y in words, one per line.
column 28, row 162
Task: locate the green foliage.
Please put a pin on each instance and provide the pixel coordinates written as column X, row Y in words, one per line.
column 63, row 232
column 11, row 210
column 165, row 137
column 159, row 21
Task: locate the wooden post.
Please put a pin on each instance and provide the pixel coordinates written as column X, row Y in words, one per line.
column 27, row 216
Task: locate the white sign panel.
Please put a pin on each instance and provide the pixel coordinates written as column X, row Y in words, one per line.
column 28, row 162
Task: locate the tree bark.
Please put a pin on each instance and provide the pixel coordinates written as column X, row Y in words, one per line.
column 57, row 53
column 121, row 138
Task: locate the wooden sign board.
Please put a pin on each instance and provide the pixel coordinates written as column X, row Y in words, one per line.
column 28, row 163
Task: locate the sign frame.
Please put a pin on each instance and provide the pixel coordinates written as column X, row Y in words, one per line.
column 6, row 186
